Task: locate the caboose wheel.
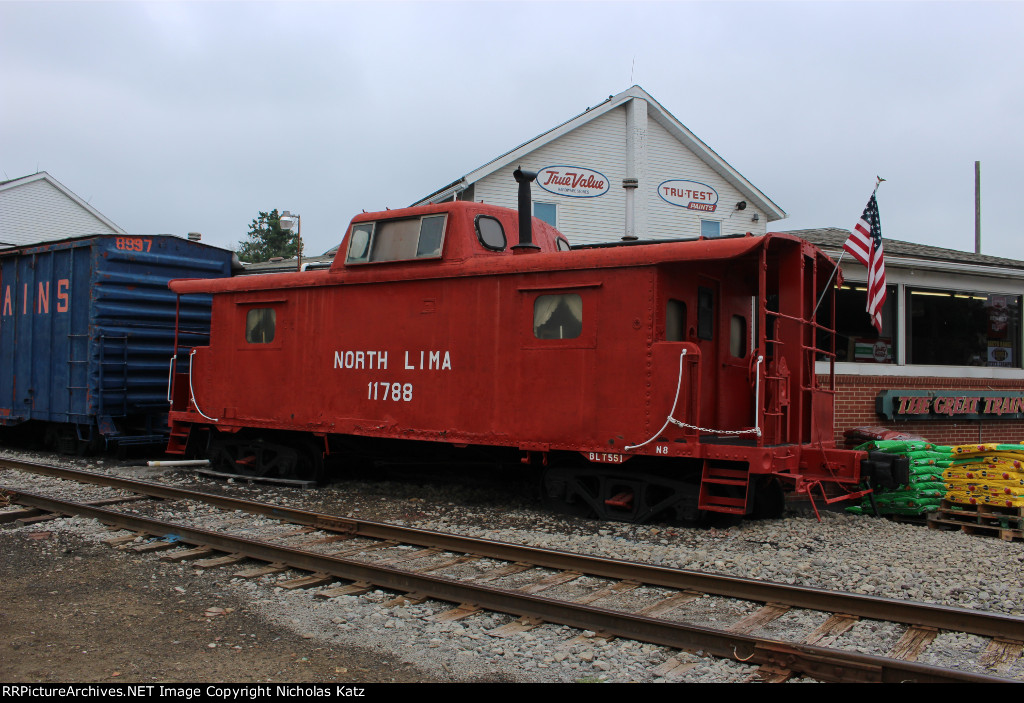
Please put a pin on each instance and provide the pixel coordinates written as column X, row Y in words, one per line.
column 608, row 494
column 569, row 494
column 309, row 461
column 769, row 498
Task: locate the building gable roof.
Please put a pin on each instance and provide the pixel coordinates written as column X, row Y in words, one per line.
column 104, row 224
column 831, row 239
column 655, row 111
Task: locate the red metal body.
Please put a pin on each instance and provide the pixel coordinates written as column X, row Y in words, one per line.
column 691, row 359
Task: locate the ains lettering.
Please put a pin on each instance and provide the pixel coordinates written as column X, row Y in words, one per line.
column 41, row 304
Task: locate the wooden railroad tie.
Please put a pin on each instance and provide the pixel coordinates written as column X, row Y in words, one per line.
column 353, row 589
column 219, row 561
column 257, row 571
column 913, row 642
column 188, row 554
column 306, row 581
column 675, row 666
column 1001, row 653
column 759, row 618
column 457, row 613
column 524, row 624
column 550, row 581
column 404, row 600
column 826, row 633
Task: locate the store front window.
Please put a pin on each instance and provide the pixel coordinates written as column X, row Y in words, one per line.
column 963, row 328
column 857, row 340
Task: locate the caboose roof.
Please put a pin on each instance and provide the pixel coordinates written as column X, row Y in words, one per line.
column 595, row 259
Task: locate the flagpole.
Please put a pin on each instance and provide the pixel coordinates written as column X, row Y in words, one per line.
column 878, row 181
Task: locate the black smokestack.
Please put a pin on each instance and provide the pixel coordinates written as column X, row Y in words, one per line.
column 524, row 179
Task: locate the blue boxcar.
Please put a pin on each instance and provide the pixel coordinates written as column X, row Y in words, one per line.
column 87, row 333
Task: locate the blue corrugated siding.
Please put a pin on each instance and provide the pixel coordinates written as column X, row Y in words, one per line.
column 87, row 326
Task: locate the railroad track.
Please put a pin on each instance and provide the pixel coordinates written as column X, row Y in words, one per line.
column 421, row 564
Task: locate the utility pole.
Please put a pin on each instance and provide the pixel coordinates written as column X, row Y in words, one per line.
column 977, row 207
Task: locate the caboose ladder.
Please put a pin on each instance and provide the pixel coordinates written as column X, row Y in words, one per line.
column 179, row 438
column 724, row 489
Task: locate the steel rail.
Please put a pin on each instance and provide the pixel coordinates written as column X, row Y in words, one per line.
column 871, row 607
column 817, row 662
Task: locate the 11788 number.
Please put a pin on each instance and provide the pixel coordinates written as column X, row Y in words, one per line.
column 383, row 390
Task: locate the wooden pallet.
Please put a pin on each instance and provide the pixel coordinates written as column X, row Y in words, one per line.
column 987, row 520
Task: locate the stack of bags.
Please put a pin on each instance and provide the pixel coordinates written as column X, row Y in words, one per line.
column 924, row 489
column 986, row 474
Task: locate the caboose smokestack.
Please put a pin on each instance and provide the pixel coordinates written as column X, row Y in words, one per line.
column 524, row 178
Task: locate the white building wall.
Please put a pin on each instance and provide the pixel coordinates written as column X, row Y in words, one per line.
column 601, row 145
column 670, row 160
column 38, row 211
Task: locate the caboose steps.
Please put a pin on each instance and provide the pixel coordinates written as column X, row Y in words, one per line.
column 724, row 489
column 178, row 438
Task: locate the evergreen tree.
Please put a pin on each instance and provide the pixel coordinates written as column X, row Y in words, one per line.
column 266, row 239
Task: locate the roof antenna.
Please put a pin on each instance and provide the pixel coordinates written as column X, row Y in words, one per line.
column 631, row 71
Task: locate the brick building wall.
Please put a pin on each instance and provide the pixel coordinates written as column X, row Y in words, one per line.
column 855, row 407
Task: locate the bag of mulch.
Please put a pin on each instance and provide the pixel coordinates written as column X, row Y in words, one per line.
column 963, row 498
column 1005, row 501
column 898, row 446
column 1013, row 477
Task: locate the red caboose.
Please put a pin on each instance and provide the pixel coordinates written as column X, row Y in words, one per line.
column 649, row 379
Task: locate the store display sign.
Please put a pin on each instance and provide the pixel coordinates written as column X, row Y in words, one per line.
column 572, row 181
column 689, row 194
column 872, row 351
column 950, row 405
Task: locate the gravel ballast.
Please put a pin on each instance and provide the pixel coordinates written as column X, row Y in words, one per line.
column 841, row 552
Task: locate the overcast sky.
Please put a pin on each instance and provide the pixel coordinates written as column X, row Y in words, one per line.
column 175, row 117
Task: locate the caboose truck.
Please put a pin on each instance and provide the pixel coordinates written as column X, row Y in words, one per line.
column 649, row 380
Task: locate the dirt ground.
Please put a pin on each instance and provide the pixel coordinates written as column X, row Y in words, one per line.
column 73, row 611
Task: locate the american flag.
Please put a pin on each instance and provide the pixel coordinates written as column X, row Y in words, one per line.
column 865, row 243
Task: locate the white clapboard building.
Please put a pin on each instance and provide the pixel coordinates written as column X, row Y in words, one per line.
column 38, row 208
column 953, row 322
column 625, row 167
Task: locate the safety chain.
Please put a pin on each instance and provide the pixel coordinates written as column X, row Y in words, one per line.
column 679, row 385
column 753, row 430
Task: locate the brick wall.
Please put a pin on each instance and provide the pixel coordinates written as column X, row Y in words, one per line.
column 855, row 407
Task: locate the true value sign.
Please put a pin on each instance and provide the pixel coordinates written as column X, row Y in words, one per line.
column 572, row 181
column 949, row 405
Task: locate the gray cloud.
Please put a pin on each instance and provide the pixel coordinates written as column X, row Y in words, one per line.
column 173, row 117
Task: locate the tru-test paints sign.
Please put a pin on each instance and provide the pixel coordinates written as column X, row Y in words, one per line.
column 572, row 181
column 689, row 194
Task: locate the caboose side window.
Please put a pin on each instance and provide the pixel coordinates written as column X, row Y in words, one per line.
column 675, row 321
column 396, row 240
column 705, row 313
column 260, row 325
column 738, row 336
column 431, row 235
column 558, row 316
